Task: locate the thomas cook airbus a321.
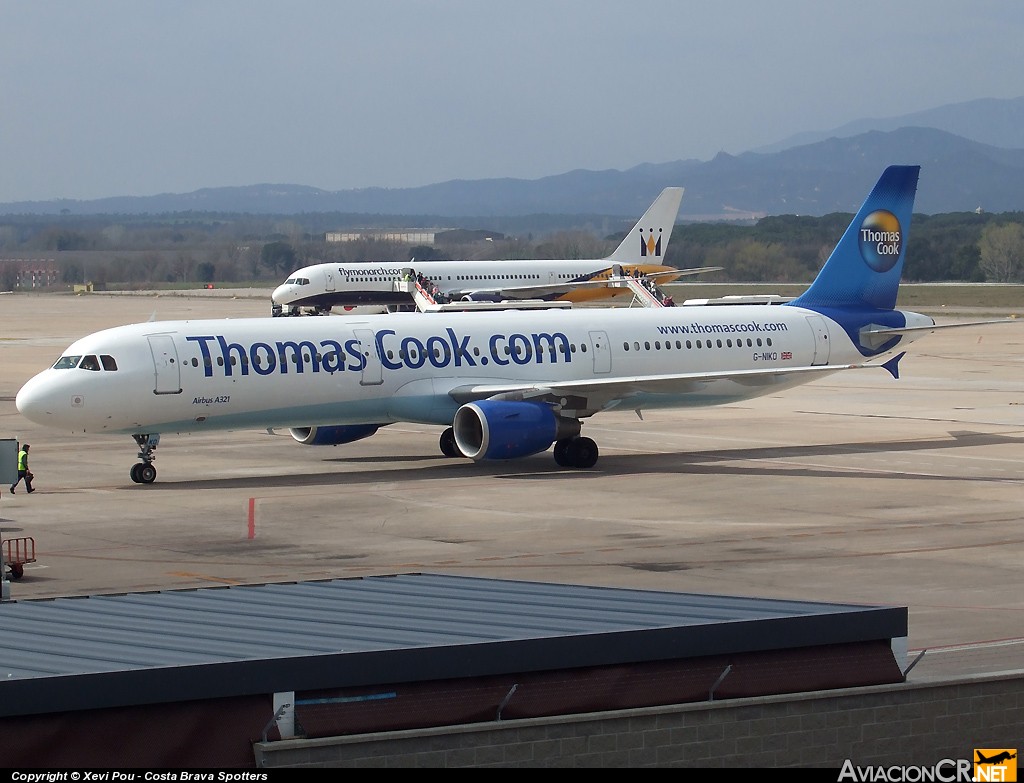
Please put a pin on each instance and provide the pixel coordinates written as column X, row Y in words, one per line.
column 502, row 385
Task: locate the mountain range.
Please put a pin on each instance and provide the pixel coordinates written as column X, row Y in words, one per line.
column 971, row 156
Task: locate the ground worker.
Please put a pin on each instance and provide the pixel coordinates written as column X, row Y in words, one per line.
column 23, row 471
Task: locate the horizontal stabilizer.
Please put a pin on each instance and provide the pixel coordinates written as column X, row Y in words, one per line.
column 874, row 335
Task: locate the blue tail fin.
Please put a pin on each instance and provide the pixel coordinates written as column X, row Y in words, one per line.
column 864, row 269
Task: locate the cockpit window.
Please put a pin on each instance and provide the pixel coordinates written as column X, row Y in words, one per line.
column 108, row 362
column 290, row 281
column 302, row 280
column 90, row 363
column 67, row 362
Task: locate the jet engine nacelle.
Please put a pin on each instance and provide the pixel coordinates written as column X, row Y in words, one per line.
column 482, row 296
column 499, row 429
column 332, row 435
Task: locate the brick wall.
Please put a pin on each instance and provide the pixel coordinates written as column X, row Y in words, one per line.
column 904, row 724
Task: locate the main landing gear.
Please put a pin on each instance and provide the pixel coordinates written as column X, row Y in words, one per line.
column 145, row 472
column 448, row 447
column 576, row 453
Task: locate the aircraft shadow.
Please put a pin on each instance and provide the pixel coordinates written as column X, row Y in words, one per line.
column 711, row 462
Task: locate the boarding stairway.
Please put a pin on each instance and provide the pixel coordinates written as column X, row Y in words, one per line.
column 429, row 301
column 645, row 292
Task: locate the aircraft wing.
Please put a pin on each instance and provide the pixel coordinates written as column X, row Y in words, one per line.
column 548, row 290
column 664, row 277
column 587, row 397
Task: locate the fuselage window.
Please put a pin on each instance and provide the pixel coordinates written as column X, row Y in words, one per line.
column 583, row 347
column 625, row 345
column 768, row 340
column 647, row 346
column 699, row 344
column 689, row 344
column 195, row 362
column 719, row 343
column 728, row 343
column 758, row 342
column 108, row 362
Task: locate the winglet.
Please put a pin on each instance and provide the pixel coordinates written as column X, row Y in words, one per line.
column 649, row 237
column 892, row 366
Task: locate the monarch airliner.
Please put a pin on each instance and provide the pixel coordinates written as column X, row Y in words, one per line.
column 318, row 288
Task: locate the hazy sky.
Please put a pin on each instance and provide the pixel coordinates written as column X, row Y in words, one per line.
column 138, row 97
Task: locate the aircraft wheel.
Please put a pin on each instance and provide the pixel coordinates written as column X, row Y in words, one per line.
column 583, row 453
column 448, row 447
column 562, row 449
column 147, row 473
column 135, row 472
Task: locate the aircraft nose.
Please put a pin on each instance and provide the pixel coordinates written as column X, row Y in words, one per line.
column 280, row 295
column 34, row 401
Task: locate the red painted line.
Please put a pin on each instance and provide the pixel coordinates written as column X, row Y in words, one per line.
column 252, row 518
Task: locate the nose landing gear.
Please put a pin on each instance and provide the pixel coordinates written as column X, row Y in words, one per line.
column 145, row 472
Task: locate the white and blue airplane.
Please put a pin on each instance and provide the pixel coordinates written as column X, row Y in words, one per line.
column 318, row 288
column 503, row 384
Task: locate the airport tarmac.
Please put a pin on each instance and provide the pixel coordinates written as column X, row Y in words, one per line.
column 854, row 488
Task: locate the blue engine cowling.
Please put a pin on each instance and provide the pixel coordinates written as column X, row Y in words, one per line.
column 332, row 435
column 497, row 429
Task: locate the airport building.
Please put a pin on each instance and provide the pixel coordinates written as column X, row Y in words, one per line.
column 409, row 236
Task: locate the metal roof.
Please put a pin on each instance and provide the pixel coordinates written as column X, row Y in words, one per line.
column 107, row 650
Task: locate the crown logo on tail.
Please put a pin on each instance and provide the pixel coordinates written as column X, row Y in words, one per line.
column 650, row 246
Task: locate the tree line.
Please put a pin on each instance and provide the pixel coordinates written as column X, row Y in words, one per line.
column 144, row 251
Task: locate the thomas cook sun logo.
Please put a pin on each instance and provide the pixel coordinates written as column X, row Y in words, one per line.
column 881, row 240
column 649, row 244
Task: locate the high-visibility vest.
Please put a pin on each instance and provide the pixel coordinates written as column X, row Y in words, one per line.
column 23, row 460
